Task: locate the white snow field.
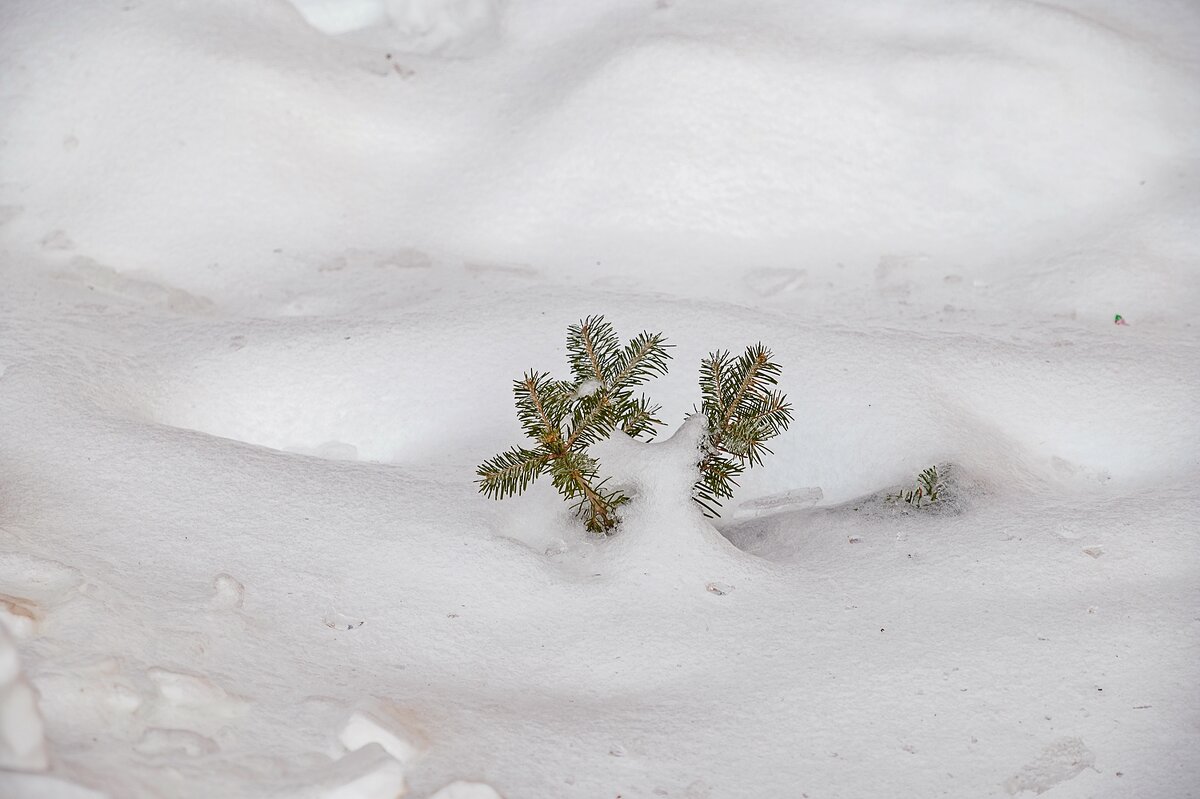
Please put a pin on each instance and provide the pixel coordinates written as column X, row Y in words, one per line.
column 268, row 270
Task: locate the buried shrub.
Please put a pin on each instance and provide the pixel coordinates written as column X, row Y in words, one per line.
column 740, row 405
column 929, row 488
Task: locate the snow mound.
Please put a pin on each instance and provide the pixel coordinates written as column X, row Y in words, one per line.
column 661, row 526
column 32, row 587
column 670, row 141
column 228, row 592
column 344, row 396
column 22, row 732
column 411, row 26
column 462, row 789
column 376, row 727
column 687, row 131
column 366, row 773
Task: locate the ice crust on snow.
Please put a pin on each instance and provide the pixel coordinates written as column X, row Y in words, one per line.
column 786, row 500
column 267, row 271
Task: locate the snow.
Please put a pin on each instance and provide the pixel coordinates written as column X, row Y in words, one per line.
column 587, row 388
column 418, row 26
column 362, row 729
column 1060, row 761
column 366, row 773
column 461, row 789
column 22, row 742
column 227, row 592
column 268, row 270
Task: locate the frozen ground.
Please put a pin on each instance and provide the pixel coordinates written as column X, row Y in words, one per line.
column 266, row 276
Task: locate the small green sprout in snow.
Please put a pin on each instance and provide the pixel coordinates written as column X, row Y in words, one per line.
column 929, row 488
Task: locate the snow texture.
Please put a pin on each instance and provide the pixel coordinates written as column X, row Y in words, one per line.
column 461, row 789
column 1059, row 761
column 414, row 26
column 363, row 729
column 366, row 773
column 269, row 269
column 22, row 742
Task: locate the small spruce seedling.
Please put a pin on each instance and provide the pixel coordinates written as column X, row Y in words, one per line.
column 565, row 417
column 743, row 410
column 740, row 405
column 929, row 489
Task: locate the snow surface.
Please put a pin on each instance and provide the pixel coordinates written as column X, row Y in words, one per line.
column 22, row 743
column 268, row 270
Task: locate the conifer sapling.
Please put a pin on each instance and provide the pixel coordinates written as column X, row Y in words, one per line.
column 740, row 404
column 565, row 417
column 743, row 410
column 929, row 488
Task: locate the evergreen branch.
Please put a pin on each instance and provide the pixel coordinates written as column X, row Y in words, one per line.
column 591, row 420
column 770, row 417
column 592, row 350
column 750, row 368
column 608, row 372
column 510, row 472
column 736, row 439
column 711, row 384
column 644, row 357
column 718, row 478
column 639, row 417
column 743, row 412
column 538, row 407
